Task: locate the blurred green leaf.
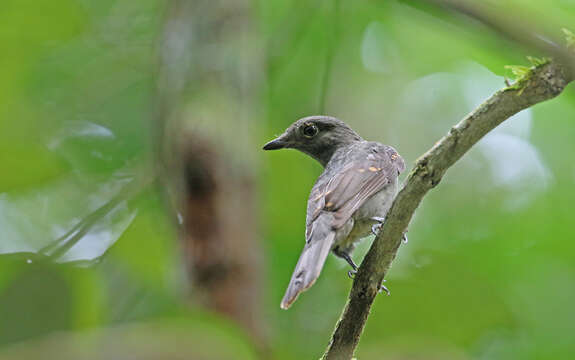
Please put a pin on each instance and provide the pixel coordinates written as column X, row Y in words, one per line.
column 570, row 37
column 489, row 268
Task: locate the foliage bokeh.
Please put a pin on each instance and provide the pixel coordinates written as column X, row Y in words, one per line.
column 489, row 270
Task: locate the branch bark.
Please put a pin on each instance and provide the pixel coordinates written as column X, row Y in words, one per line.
column 542, row 83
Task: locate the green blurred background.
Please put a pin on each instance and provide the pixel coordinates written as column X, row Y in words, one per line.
column 94, row 261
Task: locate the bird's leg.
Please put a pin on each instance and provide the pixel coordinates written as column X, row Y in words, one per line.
column 342, row 254
column 350, row 273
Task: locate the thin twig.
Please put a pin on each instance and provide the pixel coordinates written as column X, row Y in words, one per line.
column 64, row 243
column 515, row 31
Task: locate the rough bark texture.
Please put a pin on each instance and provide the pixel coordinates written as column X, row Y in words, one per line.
column 542, row 83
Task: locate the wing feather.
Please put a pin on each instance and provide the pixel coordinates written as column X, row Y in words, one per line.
column 358, row 180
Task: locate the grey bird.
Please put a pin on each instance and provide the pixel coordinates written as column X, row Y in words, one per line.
column 349, row 199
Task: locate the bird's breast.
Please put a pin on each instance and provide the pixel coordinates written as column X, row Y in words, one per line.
column 378, row 204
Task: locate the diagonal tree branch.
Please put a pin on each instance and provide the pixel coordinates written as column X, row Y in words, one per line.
column 544, row 81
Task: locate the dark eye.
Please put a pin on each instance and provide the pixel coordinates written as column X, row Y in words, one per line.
column 310, row 130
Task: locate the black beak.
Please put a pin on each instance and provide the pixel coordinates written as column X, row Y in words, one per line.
column 275, row 144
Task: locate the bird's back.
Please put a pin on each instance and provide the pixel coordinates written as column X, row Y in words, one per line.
column 379, row 166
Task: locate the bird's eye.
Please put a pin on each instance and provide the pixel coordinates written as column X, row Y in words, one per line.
column 310, row 130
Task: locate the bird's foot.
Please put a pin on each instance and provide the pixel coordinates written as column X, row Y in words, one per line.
column 377, row 226
column 351, row 273
column 383, row 288
column 344, row 255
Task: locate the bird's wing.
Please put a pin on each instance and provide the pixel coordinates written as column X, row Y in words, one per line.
column 349, row 188
column 332, row 202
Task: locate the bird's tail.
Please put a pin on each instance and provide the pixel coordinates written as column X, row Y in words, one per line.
column 309, row 265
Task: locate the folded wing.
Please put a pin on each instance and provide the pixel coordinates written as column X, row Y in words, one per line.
column 332, row 202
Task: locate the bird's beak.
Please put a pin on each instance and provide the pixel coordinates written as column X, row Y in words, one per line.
column 275, row 144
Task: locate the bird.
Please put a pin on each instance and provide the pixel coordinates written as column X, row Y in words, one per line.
column 348, row 201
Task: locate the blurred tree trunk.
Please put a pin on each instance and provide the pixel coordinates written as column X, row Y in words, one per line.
column 211, row 187
column 222, row 250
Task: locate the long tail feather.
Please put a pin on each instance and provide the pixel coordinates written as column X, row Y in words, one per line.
column 308, row 267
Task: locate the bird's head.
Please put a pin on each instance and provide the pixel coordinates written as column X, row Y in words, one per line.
column 318, row 136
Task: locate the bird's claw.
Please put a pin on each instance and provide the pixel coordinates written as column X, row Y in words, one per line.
column 383, row 288
column 377, row 226
column 351, row 273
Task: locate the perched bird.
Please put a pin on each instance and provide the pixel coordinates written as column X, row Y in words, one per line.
column 349, row 199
